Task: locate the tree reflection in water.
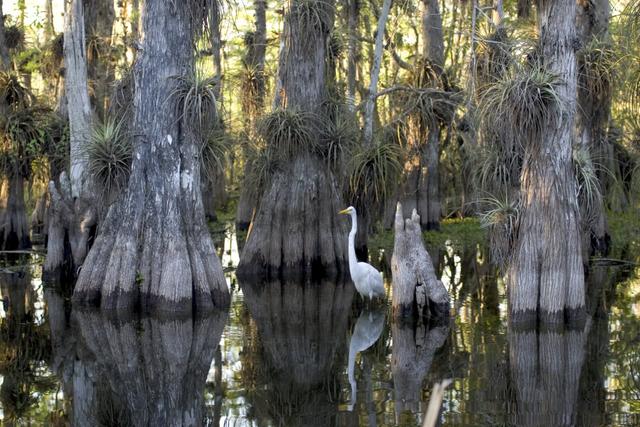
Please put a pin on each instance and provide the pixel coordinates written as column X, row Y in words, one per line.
column 293, row 380
column 134, row 371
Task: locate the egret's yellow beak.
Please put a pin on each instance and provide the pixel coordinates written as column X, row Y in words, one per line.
column 344, row 211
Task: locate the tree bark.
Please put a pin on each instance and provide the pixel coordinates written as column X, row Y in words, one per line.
column 423, row 186
column 524, row 9
column 99, row 18
column 417, row 291
column 353, row 18
column 154, row 250
column 592, row 119
column 545, row 273
column 72, row 216
column 14, row 229
column 375, row 73
column 253, row 105
column 296, row 226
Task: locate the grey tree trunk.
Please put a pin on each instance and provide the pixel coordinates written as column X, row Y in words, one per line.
column 375, row 73
column 296, row 227
column 99, row 17
column 423, row 185
column 417, row 291
column 524, row 9
column 154, row 249
column 253, row 104
column 72, row 216
column 545, row 273
column 592, row 120
column 353, row 15
column 14, row 228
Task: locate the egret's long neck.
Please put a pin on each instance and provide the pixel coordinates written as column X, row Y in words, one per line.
column 353, row 261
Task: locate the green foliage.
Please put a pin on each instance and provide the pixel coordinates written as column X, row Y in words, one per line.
column 109, row 153
column 375, row 169
column 195, row 99
column 523, row 102
column 24, row 137
column 13, row 36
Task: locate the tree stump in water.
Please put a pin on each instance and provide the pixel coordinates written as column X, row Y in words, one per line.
column 416, row 289
column 71, row 224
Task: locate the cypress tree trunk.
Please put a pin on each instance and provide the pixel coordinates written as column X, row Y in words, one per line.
column 353, row 17
column 592, row 119
column 253, row 103
column 296, row 227
column 154, row 249
column 524, row 9
column 545, row 275
column 98, row 23
column 423, row 186
column 14, row 229
column 72, row 216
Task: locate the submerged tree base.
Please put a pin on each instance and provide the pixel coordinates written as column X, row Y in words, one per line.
column 297, row 229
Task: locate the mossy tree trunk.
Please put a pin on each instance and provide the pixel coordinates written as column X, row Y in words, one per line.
column 72, row 216
column 592, row 117
column 545, row 273
column 296, row 227
column 524, row 9
column 154, row 250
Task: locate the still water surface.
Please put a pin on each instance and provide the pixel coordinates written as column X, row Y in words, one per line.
column 311, row 354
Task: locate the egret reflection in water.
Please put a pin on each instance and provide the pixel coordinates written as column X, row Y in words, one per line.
column 366, row 332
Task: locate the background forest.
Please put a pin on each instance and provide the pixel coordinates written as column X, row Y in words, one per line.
column 429, row 103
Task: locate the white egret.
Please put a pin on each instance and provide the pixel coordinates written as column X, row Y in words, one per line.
column 367, row 279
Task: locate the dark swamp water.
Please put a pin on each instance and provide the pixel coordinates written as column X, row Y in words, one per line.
column 292, row 354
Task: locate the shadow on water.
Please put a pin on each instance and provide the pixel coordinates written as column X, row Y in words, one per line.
column 133, row 371
column 309, row 353
column 292, row 379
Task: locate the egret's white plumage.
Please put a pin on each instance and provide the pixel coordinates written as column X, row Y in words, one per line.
column 367, row 279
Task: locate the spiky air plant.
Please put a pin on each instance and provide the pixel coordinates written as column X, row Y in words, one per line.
column 522, row 103
column 496, row 167
column 252, row 86
column 288, row 132
column 109, row 153
column 14, row 94
column 494, row 56
column 339, row 136
column 14, row 36
column 500, row 216
column 597, row 62
column 195, row 99
column 375, row 168
column 589, row 194
column 214, row 151
column 312, row 13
